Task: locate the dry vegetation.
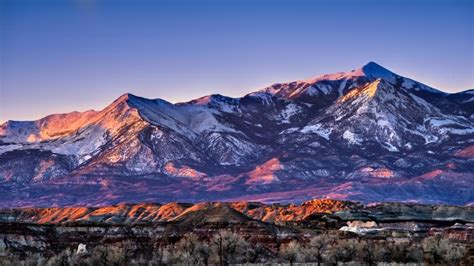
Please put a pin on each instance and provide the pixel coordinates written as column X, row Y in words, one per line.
column 227, row 248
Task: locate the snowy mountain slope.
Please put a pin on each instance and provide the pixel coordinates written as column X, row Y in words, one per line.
column 339, row 83
column 390, row 116
column 465, row 101
column 346, row 135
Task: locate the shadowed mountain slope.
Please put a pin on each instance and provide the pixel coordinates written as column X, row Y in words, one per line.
column 368, row 135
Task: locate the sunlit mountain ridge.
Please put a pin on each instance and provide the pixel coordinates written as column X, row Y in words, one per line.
column 367, row 134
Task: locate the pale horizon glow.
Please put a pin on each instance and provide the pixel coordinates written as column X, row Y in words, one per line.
column 59, row 57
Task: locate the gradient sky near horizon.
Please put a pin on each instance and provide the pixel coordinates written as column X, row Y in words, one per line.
column 61, row 56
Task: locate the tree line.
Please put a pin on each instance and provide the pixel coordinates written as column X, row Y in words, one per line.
column 227, row 248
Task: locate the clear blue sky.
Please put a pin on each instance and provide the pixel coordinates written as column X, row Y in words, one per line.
column 60, row 56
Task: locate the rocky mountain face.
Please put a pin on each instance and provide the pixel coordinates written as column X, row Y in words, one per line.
column 174, row 212
column 238, row 212
column 147, row 225
column 368, row 135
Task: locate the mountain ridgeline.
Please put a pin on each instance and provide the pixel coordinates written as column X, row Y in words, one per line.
column 368, row 135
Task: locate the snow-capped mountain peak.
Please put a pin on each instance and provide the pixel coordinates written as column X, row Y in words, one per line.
column 356, row 126
column 330, row 86
column 367, row 91
column 370, row 70
column 217, row 102
column 373, row 70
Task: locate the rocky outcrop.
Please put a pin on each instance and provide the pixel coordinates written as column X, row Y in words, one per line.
column 239, row 212
column 155, row 224
column 387, row 212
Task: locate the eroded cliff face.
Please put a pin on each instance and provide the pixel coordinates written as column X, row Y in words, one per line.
column 57, row 228
column 152, row 213
column 146, row 213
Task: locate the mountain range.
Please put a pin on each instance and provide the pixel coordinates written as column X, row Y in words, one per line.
column 368, row 135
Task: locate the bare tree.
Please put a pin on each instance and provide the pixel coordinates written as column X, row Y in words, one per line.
column 159, row 254
column 455, row 253
column 185, row 250
column 252, row 253
column 371, row 251
column 443, row 250
column 344, row 250
column 117, row 255
column 191, row 251
column 204, row 252
column 106, row 255
column 291, row 252
column 62, row 258
column 404, row 251
column 317, row 247
column 228, row 246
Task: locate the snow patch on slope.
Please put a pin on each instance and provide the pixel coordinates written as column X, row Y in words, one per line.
column 351, row 137
column 317, row 129
column 289, row 111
